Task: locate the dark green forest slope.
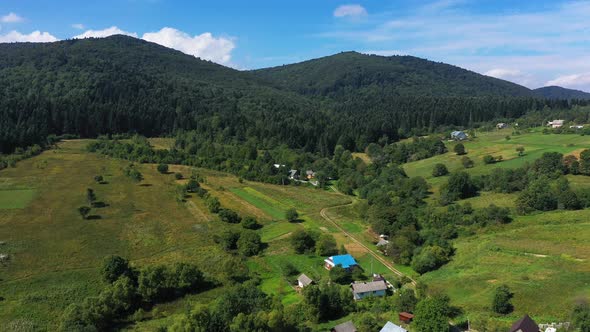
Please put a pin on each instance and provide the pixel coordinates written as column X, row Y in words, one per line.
column 121, row 84
column 343, row 75
column 557, row 92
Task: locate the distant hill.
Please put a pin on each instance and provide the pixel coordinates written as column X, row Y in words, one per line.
column 348, row 73
column 557, row 92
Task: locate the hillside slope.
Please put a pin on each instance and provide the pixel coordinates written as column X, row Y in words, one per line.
column 557, row 92
column 351, row 72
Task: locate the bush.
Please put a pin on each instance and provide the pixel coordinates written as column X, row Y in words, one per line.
column 249, row 243
column 178, row 176
column 440, row 170
column 229, row 216
column 292, row 215
column 114, row 267
column 488, row 159
column 250, row 223
column 213, row 204
column 99, row 179
column 192, row 185
column 501, row 303
column 340, row 275
column 301, row 241
column 459, row 149
column 467, row 162
column 163, row 168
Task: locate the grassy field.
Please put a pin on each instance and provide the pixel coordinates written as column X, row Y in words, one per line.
column 55, row 255
column 544, row 258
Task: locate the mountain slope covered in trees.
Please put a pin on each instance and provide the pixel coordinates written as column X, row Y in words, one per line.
column 557, row 92
column 340, row 75
column 122, row 84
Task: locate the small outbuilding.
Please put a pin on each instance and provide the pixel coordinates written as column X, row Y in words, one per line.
column 360, row 290
column 525, row 324
column 555, row 123
column 502, row 125
column 459, row 135
column 406, row 317
column 345, row 261
column 345, row 327
column 390, row 327
column 304, row 281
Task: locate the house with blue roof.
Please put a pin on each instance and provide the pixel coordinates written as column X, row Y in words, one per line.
column 345, row 261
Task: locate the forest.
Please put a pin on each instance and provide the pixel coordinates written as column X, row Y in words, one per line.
column 121, row 85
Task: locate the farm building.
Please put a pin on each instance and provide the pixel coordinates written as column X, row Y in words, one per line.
column 459, row 135
column 382, row 246
column 525, row 324
column 502, row 125
column 577, row 127
column 345, row 261
column 390, row 327
column 406, row 317
column 345, row 327
column 303, row 281
column 555, row 123
column 360, row 290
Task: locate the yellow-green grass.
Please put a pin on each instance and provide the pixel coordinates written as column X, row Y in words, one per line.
column 56, row 256
column 161, row 143
column 270, row 206
column 15, row 198
column 544, row 259
column 495, row 144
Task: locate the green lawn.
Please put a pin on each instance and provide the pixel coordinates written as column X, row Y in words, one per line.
column 272, row 207
column 16, row 198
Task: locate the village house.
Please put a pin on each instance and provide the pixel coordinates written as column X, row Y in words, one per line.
column 390, row 327
column 360, row 290
column 525, row 324
column 304, row 281
column 310, row 174
column 459, row 135
column 347, row 262
column 345, row 327
column 406, row 317
column 555, row 123
column 502, row 125
column 382, row 245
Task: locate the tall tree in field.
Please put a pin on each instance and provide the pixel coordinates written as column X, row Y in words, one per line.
column 90, row 196
column 459, row 149
column 501, row 303
column 432, row 314
column 581, row 316
column 585, row 162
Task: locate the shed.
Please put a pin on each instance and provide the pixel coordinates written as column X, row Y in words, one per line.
column 345, row 261
column 555, row 123
column 406, row 317
column 525, row 324
column 501, row 125
column 304, row 280
column 360, row 290
column 345, row 327
column 293, row 174
column 390, row 327
column 459, row 135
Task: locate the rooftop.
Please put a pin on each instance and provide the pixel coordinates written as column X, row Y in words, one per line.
column 346, row 261
column 390, row 327
column 371, row 286
column 345, row 327
column 304, row 280
column 525, row 324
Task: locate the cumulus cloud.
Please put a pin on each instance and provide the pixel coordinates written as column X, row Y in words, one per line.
column 11, row 18
column 105, row 33
column 572, row 81
column 33, row 37
column 353, row 11
column 204, row 46
column 78, row 26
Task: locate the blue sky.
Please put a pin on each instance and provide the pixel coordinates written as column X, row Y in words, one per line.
column 534, row 43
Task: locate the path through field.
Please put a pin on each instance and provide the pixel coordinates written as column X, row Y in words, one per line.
column 387, row 264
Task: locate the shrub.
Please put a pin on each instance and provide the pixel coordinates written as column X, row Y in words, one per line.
column 163, row 168
column 178, row 176
column 229, row 216
column 440, row 170
column 467, row 162
column 501, row 303
column 250, row 223
column 249, row 243
column 459, row 149
column 292, row 215
column 488, row 159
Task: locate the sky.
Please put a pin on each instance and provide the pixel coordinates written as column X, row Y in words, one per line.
column 534, row 43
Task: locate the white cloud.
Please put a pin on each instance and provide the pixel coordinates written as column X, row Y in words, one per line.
column 204, row 46
column 105, row 33
column 78, row 26
column 33, row 37
column 11, row 18
column 354, row 11
column 572, row 81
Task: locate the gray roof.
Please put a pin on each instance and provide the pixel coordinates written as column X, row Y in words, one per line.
column 390, row 327
column 382, row 242
column 372, row 286
column 345, row 327
column 304, row 280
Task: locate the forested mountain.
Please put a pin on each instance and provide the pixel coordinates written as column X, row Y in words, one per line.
column 557, row 92
column 346, row 74
column 122, row 84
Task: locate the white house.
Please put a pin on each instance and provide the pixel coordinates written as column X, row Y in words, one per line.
column 555, row 123
column 577, row 127
column 501, row 125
